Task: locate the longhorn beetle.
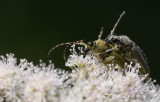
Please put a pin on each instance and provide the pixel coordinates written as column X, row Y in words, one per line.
column 113, row 49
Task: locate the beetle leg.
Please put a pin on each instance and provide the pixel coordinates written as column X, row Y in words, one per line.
column 107, row 51
column 108, row 59
column 131, row 59
column 142, row 70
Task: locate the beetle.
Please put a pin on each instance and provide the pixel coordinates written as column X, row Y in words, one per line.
column 113, row 49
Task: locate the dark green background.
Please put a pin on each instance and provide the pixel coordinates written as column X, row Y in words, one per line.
column 29, row 28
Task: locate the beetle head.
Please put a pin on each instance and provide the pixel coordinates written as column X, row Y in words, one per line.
column 89, row 46
column 112, row 39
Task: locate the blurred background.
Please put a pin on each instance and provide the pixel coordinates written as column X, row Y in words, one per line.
column 30, row 28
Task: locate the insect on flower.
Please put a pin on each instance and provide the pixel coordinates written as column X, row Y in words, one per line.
column 113, row 49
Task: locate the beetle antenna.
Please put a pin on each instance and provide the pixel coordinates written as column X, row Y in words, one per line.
column 81, row 42
column 101, row 33
column 49, row 53
column 64, row 53
column 112, row 31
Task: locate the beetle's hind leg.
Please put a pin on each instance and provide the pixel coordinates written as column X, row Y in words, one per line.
column 142, row 70
column 130, row 59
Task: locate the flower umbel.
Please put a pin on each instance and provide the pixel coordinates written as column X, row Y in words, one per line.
column 89, row 81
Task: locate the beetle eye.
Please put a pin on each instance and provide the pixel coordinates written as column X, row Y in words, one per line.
column 114, row 40
column 108, row 41
column 90, row 43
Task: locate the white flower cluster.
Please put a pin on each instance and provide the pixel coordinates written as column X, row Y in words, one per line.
column 89, row 81
column 28, row 83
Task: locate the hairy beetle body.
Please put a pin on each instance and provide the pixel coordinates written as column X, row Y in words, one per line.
column 114, row 49
column 129, row 51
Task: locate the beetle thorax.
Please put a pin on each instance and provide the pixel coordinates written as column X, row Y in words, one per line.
column 100, row 45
